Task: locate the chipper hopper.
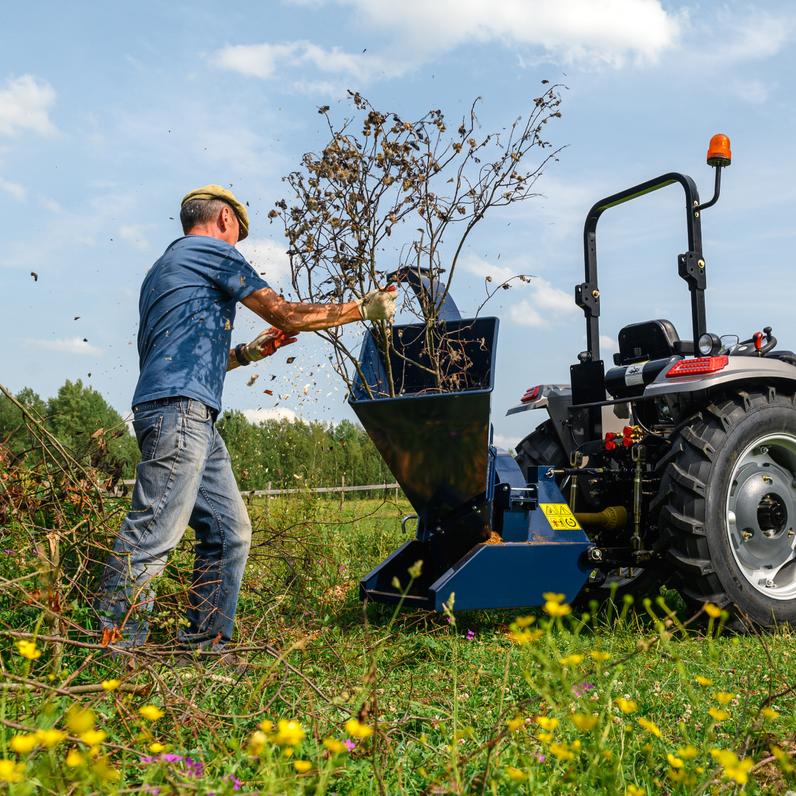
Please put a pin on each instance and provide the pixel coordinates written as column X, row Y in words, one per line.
column 484, row 532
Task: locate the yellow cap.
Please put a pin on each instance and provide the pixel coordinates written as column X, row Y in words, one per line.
column 217, row 192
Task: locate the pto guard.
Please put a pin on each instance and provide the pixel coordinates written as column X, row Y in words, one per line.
column 484, row 534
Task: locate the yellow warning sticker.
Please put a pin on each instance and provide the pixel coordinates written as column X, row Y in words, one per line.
column 559, row 516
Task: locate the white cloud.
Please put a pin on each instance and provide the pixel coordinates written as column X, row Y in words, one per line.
column 15, row 189
column 547, row 305
column 607, row 343
column 24, row 104
column 49, row 204
column 134, row 235
column 270, row 60
column 257, row 416
column 507, row 443
column 269, row 259
column 74, row 345
column 570, row 31
column 609, row 31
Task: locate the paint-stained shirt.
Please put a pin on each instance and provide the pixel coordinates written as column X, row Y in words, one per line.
column 187, row 310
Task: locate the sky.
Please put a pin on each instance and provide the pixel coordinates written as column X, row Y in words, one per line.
column 111, row 112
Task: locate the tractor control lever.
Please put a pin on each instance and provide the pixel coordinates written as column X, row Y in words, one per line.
column 764, row 341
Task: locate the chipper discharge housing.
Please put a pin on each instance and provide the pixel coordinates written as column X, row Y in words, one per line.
column 484, row 533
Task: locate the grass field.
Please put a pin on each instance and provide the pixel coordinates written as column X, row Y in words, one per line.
column 341, row 700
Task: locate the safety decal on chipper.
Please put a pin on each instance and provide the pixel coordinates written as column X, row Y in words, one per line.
column 559, row 516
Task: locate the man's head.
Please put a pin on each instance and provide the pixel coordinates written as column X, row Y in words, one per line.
column 214, row 211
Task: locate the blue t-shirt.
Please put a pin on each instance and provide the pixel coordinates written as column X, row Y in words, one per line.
column 187, row 310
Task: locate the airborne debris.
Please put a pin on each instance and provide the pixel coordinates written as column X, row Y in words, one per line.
column 35, row 276
column 253, row 379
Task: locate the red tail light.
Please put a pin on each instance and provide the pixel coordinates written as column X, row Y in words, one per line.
column 698, row 367
column 532, row 394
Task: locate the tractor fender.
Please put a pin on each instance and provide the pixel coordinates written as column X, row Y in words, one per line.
column 549, row 394
column 738, row 369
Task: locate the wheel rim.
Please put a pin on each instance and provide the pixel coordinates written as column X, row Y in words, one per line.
column 761, row 515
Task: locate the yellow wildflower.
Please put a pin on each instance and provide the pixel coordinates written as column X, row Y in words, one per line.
column 599, row 656
column 50, row 738
column 515, row 774
column 27, row 649
column 357, row 730
column 674, row 762
column 151, row 713
column 677, row 775
column 257, row 742
column 302, row 766
column 104, row 770
column 93, row 737
column 562, row 751
column 334, row 746
column 724, row 756
column 515, row 723
column 556, row 609
column 769, row 713
column 571, row 660
column 632, row 790
column 525, row 636
column 783, row 758
column 688, row 752
column 79, row 720
column 111, row 685
column 626, row 705
column 288, row 733
column 547, row 723
column 552, row 597
column 11, row 771
column 524, row 621
column 22, row 744
column 156, row 748
column 583, row 721
column 718, row 715
column 712, row 611
column 703, row 681
column 650, row 727
column 545, row 737
column 734, row 768
column 74, row 758
column 266, row 725
column 723, row 697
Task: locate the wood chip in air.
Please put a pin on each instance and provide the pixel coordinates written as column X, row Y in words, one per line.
column 253, row 379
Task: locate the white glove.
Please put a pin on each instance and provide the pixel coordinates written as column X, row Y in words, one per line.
column 378, row 305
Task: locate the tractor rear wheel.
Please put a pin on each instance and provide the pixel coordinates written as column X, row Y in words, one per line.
column 543, row 448
column 728, row 498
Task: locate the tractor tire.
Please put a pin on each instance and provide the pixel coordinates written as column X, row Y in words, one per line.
column 728, row 507
column 543, row 448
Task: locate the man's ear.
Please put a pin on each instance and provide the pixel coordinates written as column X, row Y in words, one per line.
column 225, row 218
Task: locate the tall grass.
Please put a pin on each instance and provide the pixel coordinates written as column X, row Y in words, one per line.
column 345, row 699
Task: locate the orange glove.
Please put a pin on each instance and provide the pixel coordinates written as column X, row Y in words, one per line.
column 266, row 343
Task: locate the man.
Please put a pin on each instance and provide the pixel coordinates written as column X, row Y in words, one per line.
column 187, row 308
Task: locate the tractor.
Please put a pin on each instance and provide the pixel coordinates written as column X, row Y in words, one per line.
column 676, row 465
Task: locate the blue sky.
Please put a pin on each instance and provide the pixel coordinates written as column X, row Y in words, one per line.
column 110, row 113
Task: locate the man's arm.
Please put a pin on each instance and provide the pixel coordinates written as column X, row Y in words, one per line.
column 295, row 317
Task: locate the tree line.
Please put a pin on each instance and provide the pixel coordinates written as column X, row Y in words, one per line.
column 281, row 452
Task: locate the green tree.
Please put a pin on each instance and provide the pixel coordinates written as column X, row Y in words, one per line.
column 14, row 431
column 78, row 413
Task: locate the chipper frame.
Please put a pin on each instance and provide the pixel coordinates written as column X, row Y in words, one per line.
column 484, row 533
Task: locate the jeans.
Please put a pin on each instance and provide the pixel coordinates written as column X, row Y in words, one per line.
column 184, row 478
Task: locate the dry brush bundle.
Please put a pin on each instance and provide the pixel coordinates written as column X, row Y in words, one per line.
column 396, row 198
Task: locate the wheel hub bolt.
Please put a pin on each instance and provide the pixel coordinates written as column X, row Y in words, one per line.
column 770, row 584
column 747, row 534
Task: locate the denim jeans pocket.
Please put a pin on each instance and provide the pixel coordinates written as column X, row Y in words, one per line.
column 147, row 427
column 196, row 410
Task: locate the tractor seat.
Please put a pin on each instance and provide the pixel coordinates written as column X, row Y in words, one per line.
column 650, row 340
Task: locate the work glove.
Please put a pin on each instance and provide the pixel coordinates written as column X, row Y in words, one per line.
column 266, row 344
column 378, row 305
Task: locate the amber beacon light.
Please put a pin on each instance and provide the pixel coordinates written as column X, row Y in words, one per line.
column 719, row 153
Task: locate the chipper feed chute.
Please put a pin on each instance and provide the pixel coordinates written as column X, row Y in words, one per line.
column 483, row 533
